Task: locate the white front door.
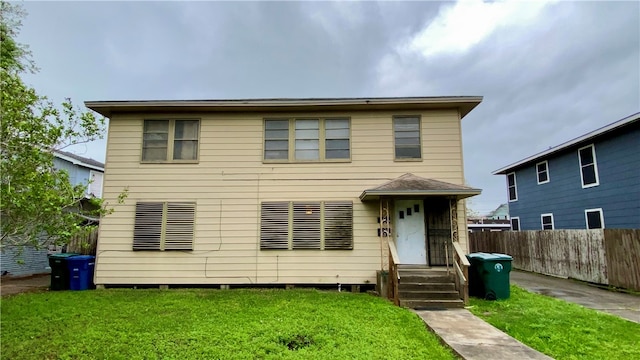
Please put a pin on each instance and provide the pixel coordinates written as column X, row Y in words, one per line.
column 410, row 232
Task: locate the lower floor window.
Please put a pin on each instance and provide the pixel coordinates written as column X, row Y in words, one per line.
column 594, row 218
column 164, row 226
column 326, row 225
column 515, row 223
column 547, row 221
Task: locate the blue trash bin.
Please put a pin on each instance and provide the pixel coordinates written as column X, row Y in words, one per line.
column 81, row 271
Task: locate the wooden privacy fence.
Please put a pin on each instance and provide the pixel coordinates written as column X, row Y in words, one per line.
column 602, row 256
column 84, row 243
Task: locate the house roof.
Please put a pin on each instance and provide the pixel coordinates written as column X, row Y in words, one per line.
column 588, row 137
column 503, row 207
column 410, row 185
column 79, row 160
column 463, row 103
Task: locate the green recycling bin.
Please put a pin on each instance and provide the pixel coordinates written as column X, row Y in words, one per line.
column 59, row 271
column 489, row 275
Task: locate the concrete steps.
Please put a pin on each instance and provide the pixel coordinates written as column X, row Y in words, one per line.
column 427, row 288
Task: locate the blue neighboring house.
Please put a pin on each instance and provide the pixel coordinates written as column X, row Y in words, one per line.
column 31, row 261
column 590, row 182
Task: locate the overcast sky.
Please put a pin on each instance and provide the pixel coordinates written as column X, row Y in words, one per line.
column 548, row 71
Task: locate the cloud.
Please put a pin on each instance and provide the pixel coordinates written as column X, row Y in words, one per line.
column 548, row 71
column 464, row 24
column 570, row 69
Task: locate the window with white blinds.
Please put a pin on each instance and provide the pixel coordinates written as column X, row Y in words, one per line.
column 164, row 226
column 326, row 225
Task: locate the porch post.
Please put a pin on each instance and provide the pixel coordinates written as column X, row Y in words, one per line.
column 385, row 233
column 453, row 207
column 380, row 235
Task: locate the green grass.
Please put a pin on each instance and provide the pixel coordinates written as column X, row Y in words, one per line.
column 560, row 329
column 211, row 324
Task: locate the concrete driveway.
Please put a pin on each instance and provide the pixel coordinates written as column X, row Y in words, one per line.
column 623, row 305
column 33, row 283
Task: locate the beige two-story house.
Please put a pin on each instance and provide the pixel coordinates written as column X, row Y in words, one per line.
column 281, row 191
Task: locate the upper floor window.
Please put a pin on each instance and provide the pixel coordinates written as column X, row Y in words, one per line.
column 588, row 166
column 511, row 185
column 170, row 140
column 515, row 223
column 307, row 139
column 406, row 132
column 547, row 221
column 594, row 218
column 542, row 168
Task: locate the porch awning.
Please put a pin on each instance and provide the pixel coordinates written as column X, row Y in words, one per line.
column 412, row 186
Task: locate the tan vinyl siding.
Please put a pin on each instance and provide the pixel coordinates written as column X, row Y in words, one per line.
column 230, row 182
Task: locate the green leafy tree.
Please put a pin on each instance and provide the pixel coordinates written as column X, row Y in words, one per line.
column 39, row 205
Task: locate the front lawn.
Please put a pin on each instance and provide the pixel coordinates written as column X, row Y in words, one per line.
column 560, row 329
column 211, row 324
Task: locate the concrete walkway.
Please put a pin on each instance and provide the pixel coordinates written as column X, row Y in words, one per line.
column 25, row 284
column 626, row 306
column 473, row 339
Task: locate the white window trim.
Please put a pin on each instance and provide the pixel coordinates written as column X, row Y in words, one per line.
column 92, row 174
column 515, row 185
column 547, row 171
column 595, row 167
column 553, row 224
column 586, row 219
column 519, row 224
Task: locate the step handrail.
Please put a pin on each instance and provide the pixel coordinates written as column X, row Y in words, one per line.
column 461, row 265
column 394, row 275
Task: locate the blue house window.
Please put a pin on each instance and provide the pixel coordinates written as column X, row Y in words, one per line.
column 594, row 218
column 513, row 188
column 515, row 223
column 588, row 166
column 547, row 221
column 542, row 168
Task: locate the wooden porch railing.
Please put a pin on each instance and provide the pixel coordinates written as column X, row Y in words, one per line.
column 394, row 275
column 461, row 265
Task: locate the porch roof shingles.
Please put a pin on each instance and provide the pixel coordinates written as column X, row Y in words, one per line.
column 412, row 185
